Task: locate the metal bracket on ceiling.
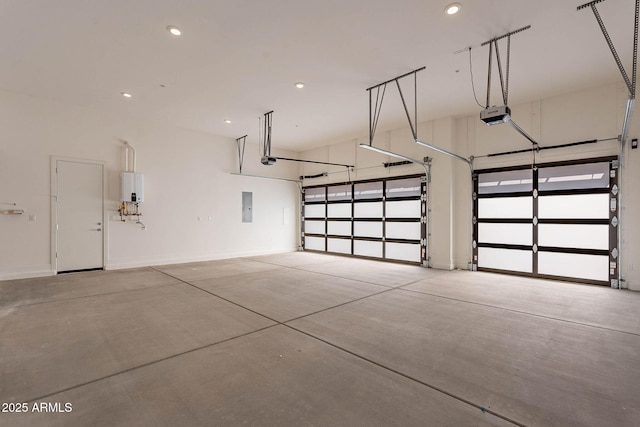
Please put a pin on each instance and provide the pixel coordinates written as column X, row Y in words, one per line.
column 266, row 137
column 504, row 80
column 374, row 115
column 630, row 82
column 241, row 142
column 268, row 159
column 375, row 108
column 504, row 77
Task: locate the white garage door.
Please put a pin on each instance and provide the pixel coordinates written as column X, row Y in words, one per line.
column 384, row 219
column 556, row 220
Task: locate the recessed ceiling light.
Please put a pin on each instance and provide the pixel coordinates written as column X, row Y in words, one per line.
column 125, row 94
column 174, row 30
column 227, row 121
column 453, row 8
column 299, row 85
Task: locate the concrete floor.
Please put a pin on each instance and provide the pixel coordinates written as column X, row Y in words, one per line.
column 309, row 339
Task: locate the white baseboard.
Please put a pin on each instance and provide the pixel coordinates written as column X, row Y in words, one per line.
column 153, row 261
column 26, row 272
column 447, row 267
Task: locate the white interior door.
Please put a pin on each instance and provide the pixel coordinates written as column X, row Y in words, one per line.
column 79, row 228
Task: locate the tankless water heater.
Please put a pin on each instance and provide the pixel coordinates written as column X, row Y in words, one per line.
column 132, row 187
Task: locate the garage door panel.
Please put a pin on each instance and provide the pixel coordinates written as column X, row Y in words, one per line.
column 506, row 259
column 367, row 229
column 403, row 230
column 367, row 248
column 314, row 243
column 574, row 206
column 579, row 236
column 403, row 209
column 341, row 246
column 403, row 251
column 314, row 227
column 339, row 228
column 339, row 210
column 367, row 210
column 314, row 211
column 505, row 207
column 505, row 233
column 581, row 266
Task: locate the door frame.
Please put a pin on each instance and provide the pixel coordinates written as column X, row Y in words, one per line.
column 54, row 207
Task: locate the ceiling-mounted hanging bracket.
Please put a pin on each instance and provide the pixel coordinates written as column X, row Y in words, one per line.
column 374, row 115
column 509, row 34
column 376, row 106
column 630, row 82
column 241, row 142
column 266, row 139
column 493, row 115
column 504, row 76
column 268, row 159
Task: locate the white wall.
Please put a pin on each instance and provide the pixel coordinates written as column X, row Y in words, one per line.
column 187, row 175
column 595, row 113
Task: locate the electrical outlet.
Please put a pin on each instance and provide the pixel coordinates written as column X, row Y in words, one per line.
column 634, row 143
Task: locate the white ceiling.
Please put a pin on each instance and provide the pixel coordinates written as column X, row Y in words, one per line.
column 238, row 59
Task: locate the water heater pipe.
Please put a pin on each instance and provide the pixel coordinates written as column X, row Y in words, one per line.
column 126, row 155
